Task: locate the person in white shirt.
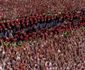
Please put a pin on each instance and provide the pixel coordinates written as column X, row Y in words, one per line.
column 1, row 68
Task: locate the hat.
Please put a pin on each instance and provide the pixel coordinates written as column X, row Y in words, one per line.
column 4, row 37
column 21, row 37
column 0, row 27
column 1, row 22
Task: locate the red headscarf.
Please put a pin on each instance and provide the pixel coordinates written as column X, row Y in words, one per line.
column 72, row 11
column 1, row 22
column 4, row 37
column 0, row 27
column 11, row 21
column 15, row 39
column 83, row 24
column 16, row 35
column 21, row 37
column 81, row 18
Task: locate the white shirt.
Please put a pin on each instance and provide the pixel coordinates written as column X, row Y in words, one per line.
column 3, row 52
column 18, row 57
column 1, row 68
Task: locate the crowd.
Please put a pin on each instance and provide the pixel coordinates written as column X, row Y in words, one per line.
column 59, row 52
column 44, row 41
column 41, row 25
column 11, row 9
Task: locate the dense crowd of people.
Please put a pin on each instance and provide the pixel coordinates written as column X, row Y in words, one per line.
column 11, row 9
column 41, row 25
column 44, row 41
column 59, row 52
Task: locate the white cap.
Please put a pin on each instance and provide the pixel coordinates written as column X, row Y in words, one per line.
column 59, row 50
column 50, row 64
